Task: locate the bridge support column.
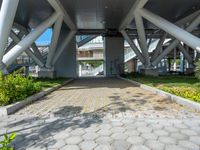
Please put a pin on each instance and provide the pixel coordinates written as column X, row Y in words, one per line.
column 114, row 56
column 7, row 14
column 177, row 32
column 28, row 40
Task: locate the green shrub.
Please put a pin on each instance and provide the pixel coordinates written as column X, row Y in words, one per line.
column 6, row 143
column 197, row 70
column 186, row 92
column 15, row 87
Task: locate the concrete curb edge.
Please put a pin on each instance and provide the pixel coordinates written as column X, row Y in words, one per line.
column 10, row 109
column 172, row 97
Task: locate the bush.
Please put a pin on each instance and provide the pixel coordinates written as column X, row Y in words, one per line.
column 197, row 70
column 15, row 87
column 6, row 143
column 186, row 92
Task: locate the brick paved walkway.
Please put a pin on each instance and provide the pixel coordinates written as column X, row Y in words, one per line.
column 104, row 114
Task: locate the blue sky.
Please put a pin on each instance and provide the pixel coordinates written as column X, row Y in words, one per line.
column 45, row 38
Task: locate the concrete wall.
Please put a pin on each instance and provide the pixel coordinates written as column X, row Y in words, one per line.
column 66, row 64
column 114, row 55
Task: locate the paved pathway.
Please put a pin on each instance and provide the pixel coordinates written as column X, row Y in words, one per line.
column 104, row 114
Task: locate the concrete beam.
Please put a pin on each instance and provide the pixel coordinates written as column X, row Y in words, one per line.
column 28, row 40
column 86, row 40
column 177, row 32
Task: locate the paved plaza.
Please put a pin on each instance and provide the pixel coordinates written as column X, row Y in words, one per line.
column 104, row 114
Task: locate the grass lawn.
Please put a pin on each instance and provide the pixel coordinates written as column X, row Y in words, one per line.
column 47, row 83
column 184, row 86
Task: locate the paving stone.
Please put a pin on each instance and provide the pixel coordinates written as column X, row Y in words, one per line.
column 104, row 140
column 103, row 147
column 120, row 145
column 104, row 132
column 144, row 129
column 73, row 140
column 70, row 147
column 171, row 129
column 195, row 139
column 105, row 126
column 135, row 140
column 181, row 126
column 61, row 135
column 77, row 132
column 188, row 132
column 90, row 136
column 92, row 129
column 167, row 140
column 119, row 136
column 87, row 145
column 139, row 147
column 174, row 147
column 117, row 129
column 154, row 145
column 132, row 132
column 161, row 132
column 179, row 136
column 149, row 136
column 189, row 145
column 57, row 145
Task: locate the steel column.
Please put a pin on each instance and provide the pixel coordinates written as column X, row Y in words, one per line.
column 142, row 38
column 177, row 32
column 63, row 46
column 185, row 53
column 7, row 15
column 127, row 20
column 28, row 40
column 16, row 39
column 54, row 41
column 159, row 46
column 133, row 46
column 174, row 43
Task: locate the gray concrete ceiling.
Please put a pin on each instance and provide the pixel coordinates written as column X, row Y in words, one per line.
column 101, row 14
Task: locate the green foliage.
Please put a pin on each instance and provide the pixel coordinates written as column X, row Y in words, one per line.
column 15, row 87
column 183, row 86
column 93, row 63
column 185, row 92
column 6, row 143
column 197, row 70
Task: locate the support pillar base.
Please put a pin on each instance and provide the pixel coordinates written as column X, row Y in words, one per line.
column 189, row 71
column 46, row 73
column 150, row 72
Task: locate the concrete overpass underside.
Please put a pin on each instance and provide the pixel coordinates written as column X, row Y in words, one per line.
column 22, row 22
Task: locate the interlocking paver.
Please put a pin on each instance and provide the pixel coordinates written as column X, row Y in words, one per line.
column 189, row 145
column 155, row 145
column 104, row 140
column 135, row 140
column 70, row 147
column 90, row 136
column 73, row 140
column 120, row 145
column 104, row 114
column 139, row 147
column 88, row 145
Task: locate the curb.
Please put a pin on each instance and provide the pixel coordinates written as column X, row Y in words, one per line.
column 10, row 109
column 172, row 97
